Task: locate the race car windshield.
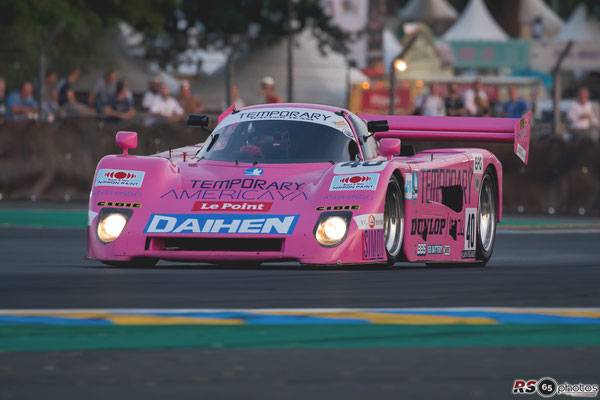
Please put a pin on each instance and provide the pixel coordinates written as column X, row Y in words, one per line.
column 279, row 142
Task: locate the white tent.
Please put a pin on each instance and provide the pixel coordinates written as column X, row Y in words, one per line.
column 428, row 11
column 476, row 24
column 529, row 10
column 317, row 78
column 579, row 28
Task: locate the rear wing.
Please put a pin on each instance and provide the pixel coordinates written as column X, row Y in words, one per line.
column 459, row 129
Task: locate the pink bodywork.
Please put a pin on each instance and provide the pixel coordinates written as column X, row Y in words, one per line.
column 172, row 186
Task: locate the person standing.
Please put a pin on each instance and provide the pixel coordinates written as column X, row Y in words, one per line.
column 151, row 94
column 120, row 105
column 268, row 90
column 166, row 106
column 190, row 104
column 69, row 104
column 455, row 106
column 21, row 105
column 103, row 89
column 431, row 104
column 470, row 96
column 582, row 116
column 516, row 107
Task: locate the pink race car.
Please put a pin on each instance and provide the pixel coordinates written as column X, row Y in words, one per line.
column 309, row 183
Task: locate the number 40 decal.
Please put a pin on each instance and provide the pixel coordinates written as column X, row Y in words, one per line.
column 470, row 228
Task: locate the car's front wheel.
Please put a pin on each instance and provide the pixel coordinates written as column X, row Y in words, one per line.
column 393, row 220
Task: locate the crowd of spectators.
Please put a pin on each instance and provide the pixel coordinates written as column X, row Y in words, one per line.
column 110, row 99
column 474, row 102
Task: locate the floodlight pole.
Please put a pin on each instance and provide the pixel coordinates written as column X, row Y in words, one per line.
column 59, row 27
column 557, row 87
column 393, row 86
column 290, row 53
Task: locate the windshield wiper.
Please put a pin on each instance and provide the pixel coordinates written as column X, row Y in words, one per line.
column 255, row 163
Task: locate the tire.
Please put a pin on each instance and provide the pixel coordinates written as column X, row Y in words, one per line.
column 141, row 262
column 487, row 215
column 393, row 221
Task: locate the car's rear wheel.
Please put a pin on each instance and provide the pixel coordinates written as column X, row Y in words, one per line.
column 140, row 262
column 393, row 221
column 486, row 218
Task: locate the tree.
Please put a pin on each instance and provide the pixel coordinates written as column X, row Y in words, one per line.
column 238, row 25
column 25, row 24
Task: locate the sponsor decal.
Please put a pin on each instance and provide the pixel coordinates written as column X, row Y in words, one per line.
column 91, row 216
column 354, row 182
column 118, row 204
column 477, row 183
column 456, row 227
column 340, row 122
column 359, row 167
column 299, row 115
column 115, row 193
column 247, row 183
column 434, row 249
column 348, row 197
column 446, row 250
column 435, row 179
column 221, row 224
column 231, row 206
column 467, row 254
column 408, row 186
column 427, row 226
column 336, row 208
column 118, row 177
column 233, row 194
column 373, row 245
column 248, row 189
column 521, row 153
column 470, row 231
column 369, row 221
column 477, row 163
column 253, row 172
column 422, row 249
column 411, row 186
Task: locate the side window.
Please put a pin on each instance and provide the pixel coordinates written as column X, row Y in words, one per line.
column 369, row 147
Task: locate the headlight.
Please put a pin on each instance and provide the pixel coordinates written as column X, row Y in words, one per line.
column 331, row 228
column 111, row 223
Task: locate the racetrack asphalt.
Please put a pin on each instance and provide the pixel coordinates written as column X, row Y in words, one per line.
column 46, row 268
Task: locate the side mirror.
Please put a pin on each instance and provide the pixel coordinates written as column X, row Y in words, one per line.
column 126, row 140
column 389, row 147
column 197, row 120
column 378, row 126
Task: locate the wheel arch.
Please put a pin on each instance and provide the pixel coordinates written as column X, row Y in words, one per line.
column 492, row 168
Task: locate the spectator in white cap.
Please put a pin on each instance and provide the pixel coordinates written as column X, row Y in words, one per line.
column 268, row 90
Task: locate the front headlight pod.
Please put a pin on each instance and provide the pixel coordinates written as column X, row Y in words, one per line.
column 111, row 223
column 332, row 227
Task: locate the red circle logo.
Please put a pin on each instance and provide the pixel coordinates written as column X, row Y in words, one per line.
column 371, row 221
column 120, row 175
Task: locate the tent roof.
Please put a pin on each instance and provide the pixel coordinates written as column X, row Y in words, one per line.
column 476, row 23
column 579, row 28
column 531, row 9
column 428, row 10
column 318, row 78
